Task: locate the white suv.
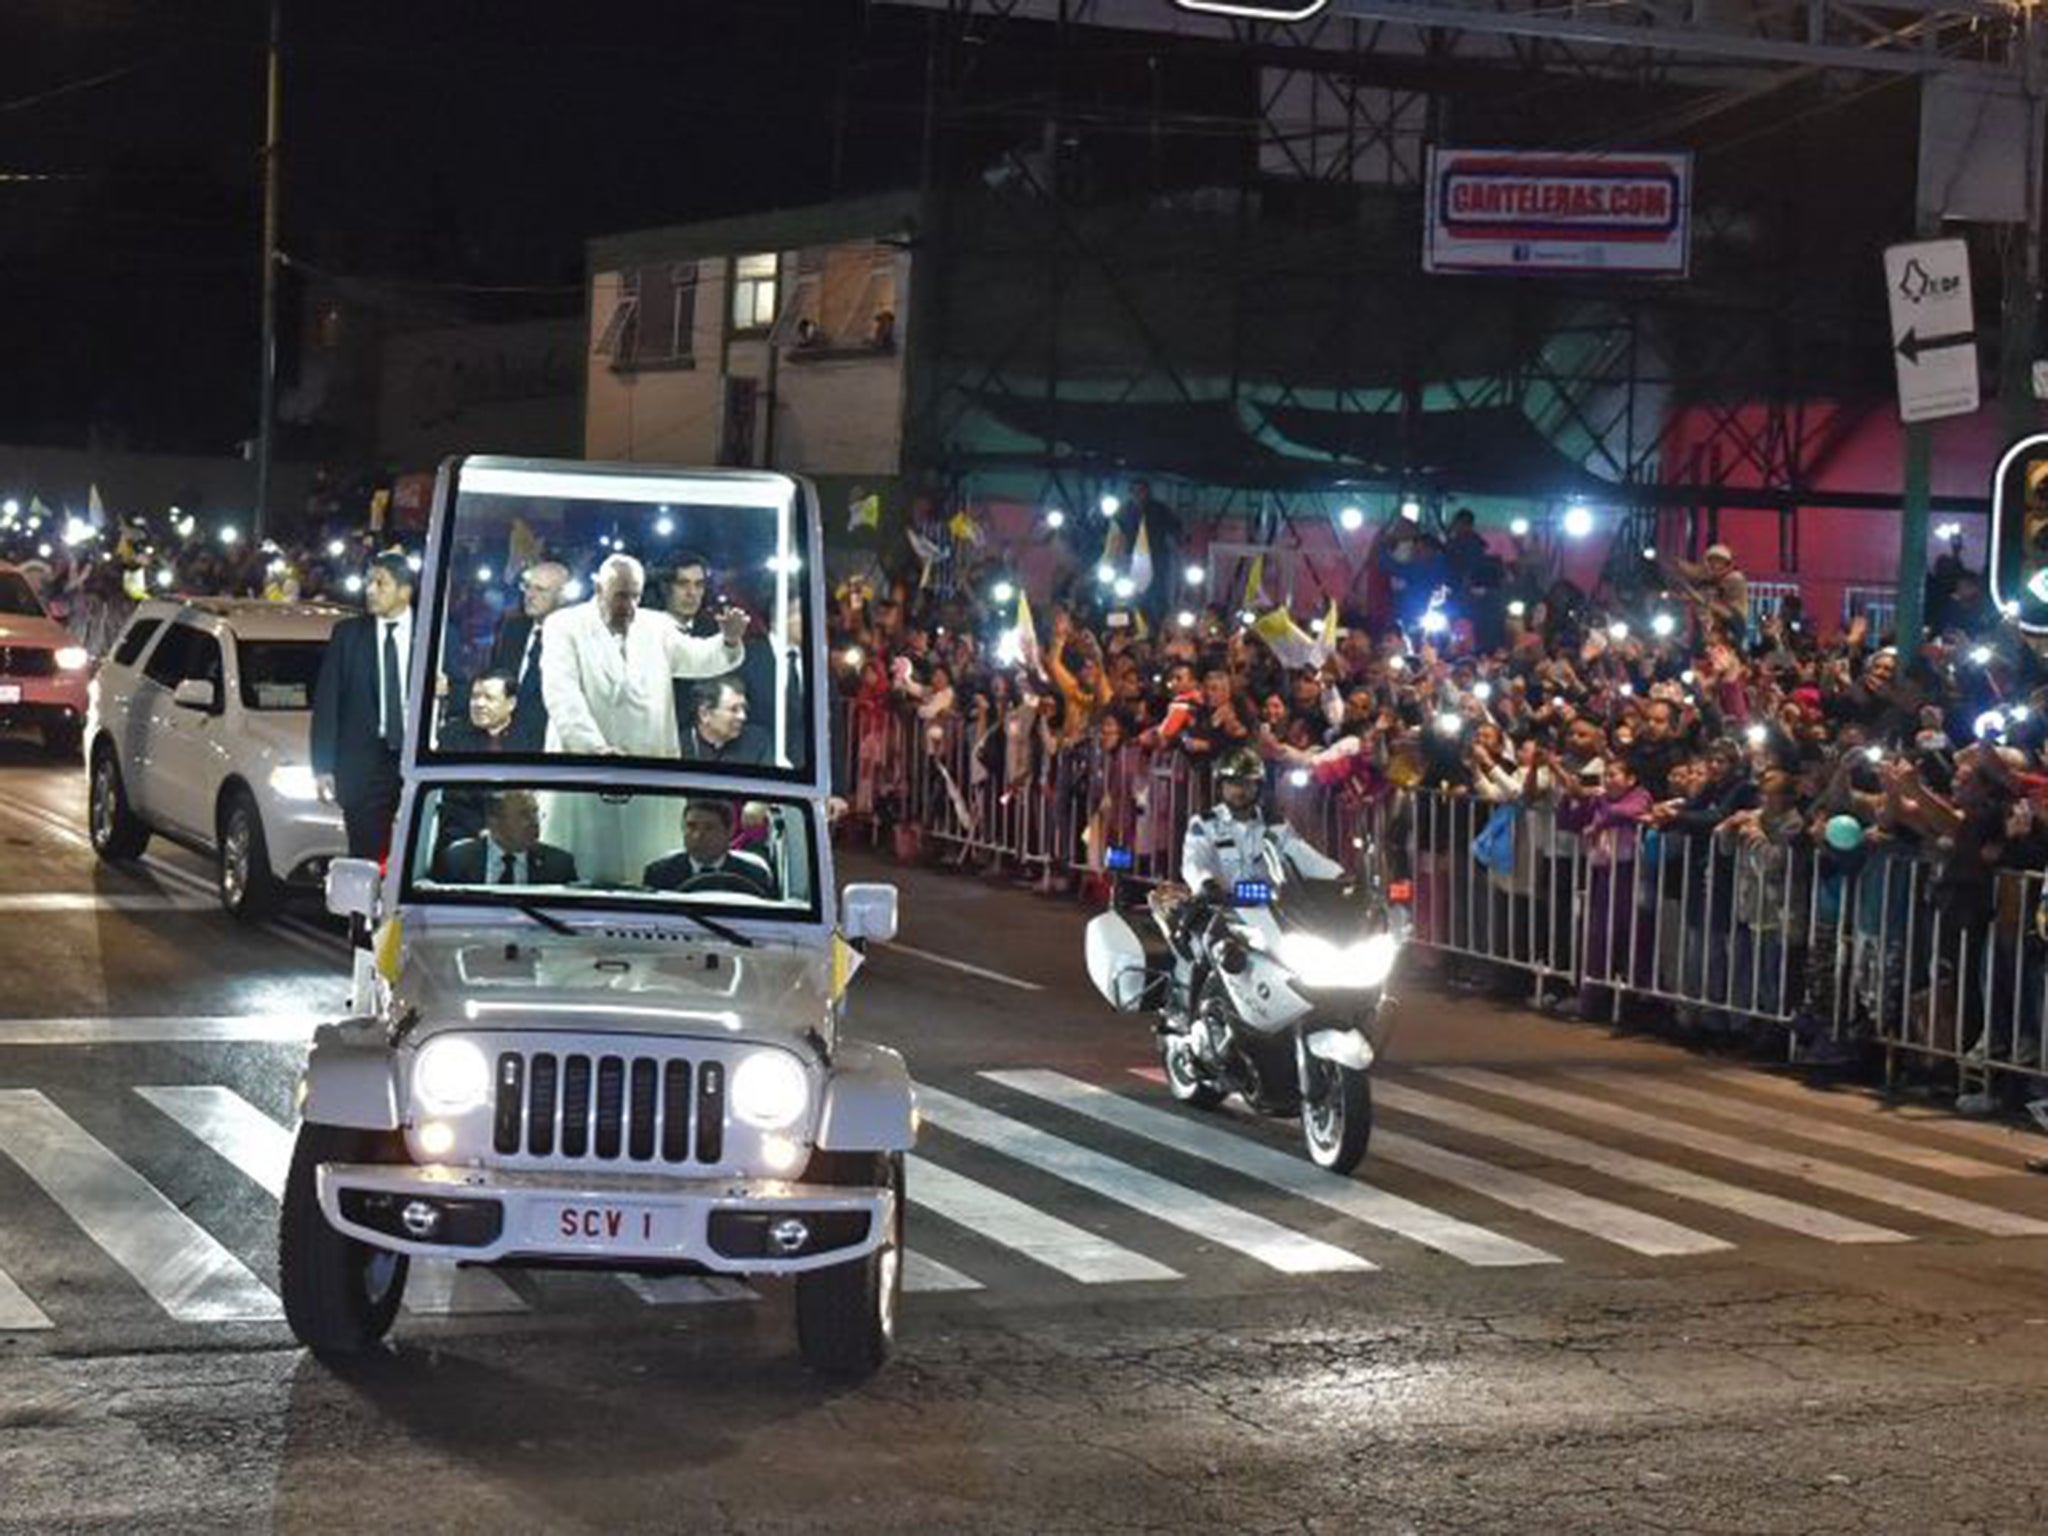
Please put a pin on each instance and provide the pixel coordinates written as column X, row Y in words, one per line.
column 199, row 729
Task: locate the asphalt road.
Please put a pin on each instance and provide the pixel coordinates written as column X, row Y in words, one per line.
column 1581, row 1283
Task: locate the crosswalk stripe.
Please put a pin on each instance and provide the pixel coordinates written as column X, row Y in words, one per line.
column 1999, row 1138
column 17, row 1313
column 1213, row 1220
column 96, row 1029
column 1281, row 1170
column 1073, row 1251
column 262, row 1149
column 1756, row 1204
column 1797, row 1165
column 1635, row 1230
column 1806, row 1128
column 101, row 901
column 688, row 1290
column 228, row 1123
column 922, row 1272
column 191, row 1276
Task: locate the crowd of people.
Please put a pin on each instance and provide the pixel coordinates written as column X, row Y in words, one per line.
column 1657, row 735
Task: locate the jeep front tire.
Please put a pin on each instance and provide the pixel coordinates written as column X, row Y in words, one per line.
column 846, row 1315
column 340, row 1295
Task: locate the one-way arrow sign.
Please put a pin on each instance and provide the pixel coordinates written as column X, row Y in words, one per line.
column 1911, row 345
column 1934, row 330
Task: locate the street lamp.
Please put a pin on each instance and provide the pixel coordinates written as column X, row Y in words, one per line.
column 1411, row 509
column 1578, row 520
column 1519, row 527
column 1194, row 575
column 1055, row 519
column 1350, row 519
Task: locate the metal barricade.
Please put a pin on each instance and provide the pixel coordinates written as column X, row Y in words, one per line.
column 1724, row 928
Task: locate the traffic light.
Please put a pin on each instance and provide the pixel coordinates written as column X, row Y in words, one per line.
column 2019, row 533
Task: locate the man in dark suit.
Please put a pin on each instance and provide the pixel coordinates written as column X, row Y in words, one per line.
column 757, row 674
column 516, row 653
column 488, row 729
column 707, row 854
column 359, row 707
column 510, row 851
column 718, row 731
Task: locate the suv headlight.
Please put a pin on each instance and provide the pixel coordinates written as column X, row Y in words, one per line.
column 450, row 1077
column 294, row 781
column 73, row 658
column 769, row 1090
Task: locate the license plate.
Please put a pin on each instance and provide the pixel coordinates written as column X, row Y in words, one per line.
column 10, row 693
column 606, row 1227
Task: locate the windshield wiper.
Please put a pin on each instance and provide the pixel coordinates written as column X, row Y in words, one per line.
column 712, row 925
column 544, row 917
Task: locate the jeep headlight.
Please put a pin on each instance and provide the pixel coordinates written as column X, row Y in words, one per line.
column 450, row 1077
column 769, row 1090
column 1357, row 967
column 73, row 658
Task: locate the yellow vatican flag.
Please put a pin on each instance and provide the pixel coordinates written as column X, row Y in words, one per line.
column 388, row 945
column 846, row 960
column 1254, row 584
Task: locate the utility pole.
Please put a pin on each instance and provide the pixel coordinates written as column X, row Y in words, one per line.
column 267, row 385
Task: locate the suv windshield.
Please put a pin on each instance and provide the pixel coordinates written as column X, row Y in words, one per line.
column 278, row 674
column 550, row 847
column 17, row 597
column 647, row 617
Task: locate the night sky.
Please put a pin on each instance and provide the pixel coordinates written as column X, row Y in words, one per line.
column 442, row 145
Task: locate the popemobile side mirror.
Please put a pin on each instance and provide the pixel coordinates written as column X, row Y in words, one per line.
column 352, row 887
column 868, row 911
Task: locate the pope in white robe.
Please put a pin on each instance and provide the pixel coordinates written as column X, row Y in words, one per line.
column 607, row 671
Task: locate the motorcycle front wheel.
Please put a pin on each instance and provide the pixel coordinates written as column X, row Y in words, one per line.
column 1184, row 1079
column 1336, row 1112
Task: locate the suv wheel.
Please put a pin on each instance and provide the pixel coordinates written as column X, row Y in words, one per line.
column 248, row 889
column 846, row 1315
column 339, row 1294
column 117, row 833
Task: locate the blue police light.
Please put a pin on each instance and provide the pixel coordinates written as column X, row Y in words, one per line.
column 1117, row 860
column 1252, row 893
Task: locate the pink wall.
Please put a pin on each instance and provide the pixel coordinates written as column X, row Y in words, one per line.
column 1839, row 548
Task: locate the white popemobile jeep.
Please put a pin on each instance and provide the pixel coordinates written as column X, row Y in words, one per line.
column 601, row 1025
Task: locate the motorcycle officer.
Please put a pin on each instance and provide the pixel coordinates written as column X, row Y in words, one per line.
column 1227, row 845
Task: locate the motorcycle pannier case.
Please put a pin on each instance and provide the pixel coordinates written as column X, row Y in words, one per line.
column 1130, row 968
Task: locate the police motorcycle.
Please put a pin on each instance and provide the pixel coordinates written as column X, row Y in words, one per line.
column 1275, row 991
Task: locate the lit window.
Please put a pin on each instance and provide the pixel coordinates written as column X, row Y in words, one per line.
column 754, row 285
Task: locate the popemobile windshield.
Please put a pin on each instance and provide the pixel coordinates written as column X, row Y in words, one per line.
column 601, row 1027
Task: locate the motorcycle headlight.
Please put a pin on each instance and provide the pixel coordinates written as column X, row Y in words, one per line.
column 1374, row 959
column 1357, row 967
column 450, row 1077
column 1314, row 959
column 294, row 781
column 769, row 1090
column 73, row 658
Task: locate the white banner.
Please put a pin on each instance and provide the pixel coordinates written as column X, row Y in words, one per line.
column 1535, row 211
